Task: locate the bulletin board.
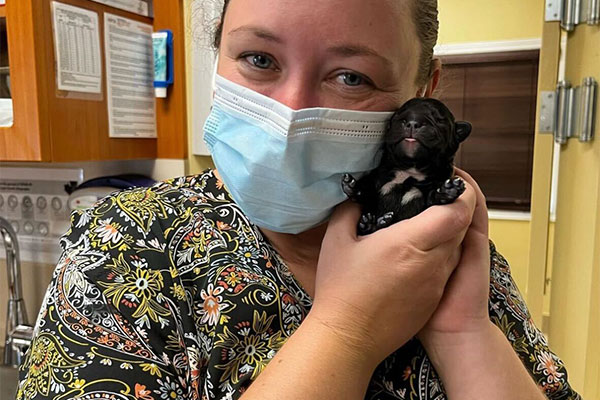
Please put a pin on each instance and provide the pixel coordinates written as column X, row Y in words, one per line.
column 79, row 122
column 51, row 127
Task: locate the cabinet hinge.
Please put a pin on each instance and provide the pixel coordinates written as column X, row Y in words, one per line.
column 569, row 111
column 571, row 13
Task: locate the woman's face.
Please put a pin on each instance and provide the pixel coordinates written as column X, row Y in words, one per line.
column 348, row 54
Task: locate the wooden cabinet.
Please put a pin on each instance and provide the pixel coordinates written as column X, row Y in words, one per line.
column 51, row 128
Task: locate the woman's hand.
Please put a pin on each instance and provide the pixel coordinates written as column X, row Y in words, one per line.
column 376, row 292
column 471, row 355
column 464, row 306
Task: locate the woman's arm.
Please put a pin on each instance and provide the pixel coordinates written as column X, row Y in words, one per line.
column 316, row 362
column 110, row 323
column 481, row 365
column 372, row 295
column 472, row 356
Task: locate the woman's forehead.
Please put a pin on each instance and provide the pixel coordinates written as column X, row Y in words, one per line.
column 385, row 26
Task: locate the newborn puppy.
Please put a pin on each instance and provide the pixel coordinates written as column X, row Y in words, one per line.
column 416, row 169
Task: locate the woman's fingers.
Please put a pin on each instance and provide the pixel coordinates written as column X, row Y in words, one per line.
column 480, row 216
column 343, row 222
column 436, row 225
column 454, row 258
column 403, row 269
column 476, row 242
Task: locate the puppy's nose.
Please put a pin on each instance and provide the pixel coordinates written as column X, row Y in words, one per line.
column 411, row 127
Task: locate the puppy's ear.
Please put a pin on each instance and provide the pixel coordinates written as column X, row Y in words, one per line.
column 463, row 129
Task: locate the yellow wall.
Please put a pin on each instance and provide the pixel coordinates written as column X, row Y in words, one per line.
column 549, row 261
column 512, row 241
column 575, row 303
column 485, row 20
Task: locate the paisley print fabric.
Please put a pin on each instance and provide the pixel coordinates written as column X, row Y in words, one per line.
column 169, row 292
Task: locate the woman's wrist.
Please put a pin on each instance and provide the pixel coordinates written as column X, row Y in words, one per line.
column 480, row 363
column 316, row 362
column 349, row 337
column 442, row 346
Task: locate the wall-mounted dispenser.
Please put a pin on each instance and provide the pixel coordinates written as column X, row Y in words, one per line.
column 162, row 44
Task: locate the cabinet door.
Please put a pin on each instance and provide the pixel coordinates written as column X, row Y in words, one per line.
column 78, row 127
column 22, row 141
column 53, row 128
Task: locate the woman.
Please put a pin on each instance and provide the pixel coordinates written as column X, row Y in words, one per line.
column 178, row 291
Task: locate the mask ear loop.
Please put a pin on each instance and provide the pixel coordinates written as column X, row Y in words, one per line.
column 214, row 75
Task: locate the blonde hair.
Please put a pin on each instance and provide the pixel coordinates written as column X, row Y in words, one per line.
column 425, row 13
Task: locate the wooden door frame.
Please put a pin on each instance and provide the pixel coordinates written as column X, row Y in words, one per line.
column 541, row 184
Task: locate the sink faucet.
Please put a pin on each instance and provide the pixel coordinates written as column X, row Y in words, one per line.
column 18, row 332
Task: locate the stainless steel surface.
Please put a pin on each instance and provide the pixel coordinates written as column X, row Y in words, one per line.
column 571, row 116
column 589, row 109
column 547, row 112
column 561, row 134
column 576, row 111
column 18, row 332
column 8, row 382
column 553, row 10
column 593, row 15
column 573, row 12
column 568, row 17
column 578, row 6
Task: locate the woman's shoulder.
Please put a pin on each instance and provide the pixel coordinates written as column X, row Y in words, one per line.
column 143, row 216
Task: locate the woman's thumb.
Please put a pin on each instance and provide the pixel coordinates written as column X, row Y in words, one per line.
column 343, row 222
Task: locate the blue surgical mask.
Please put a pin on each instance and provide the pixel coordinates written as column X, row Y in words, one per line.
column 284, row 167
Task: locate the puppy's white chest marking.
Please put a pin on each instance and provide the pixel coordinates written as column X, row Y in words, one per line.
column 399, row 179
column 411, row 195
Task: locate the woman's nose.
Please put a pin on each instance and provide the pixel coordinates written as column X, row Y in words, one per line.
column 296, row 94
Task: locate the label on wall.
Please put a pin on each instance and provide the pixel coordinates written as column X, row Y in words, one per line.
column 141, row 7
column 77, row 49
column 35, row 202
column 129, row 78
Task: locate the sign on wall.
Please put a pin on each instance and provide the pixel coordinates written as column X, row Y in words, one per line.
column 141, row 7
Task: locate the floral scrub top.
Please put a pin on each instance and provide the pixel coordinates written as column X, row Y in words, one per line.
column 169, row 292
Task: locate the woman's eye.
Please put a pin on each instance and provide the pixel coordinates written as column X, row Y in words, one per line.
column 259, row 60
column 352, row 79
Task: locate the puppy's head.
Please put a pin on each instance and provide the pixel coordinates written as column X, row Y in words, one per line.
column 424, row 130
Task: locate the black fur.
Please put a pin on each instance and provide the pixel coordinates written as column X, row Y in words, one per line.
column 416, row 165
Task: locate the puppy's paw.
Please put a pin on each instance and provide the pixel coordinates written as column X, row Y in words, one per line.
column 385, row 220
column 449, row 191
column 367, row 224
column 348, row 185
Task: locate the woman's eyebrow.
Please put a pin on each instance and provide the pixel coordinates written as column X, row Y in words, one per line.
column 258, row 32
column 353, row 50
